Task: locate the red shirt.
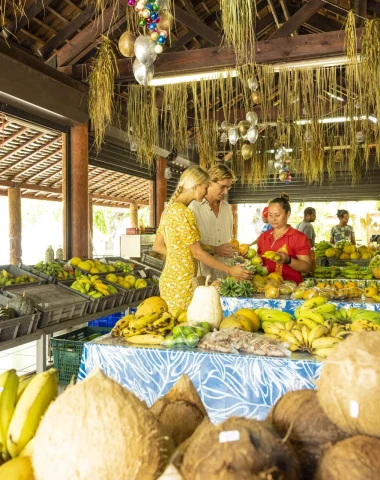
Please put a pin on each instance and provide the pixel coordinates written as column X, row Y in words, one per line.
column 292, row 243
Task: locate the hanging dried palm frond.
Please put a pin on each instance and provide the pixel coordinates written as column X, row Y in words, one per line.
column 239, row 21
column 174, row 116
column 101, row 99
column 18, row 7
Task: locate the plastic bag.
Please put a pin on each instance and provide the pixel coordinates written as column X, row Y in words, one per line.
column 186, row 335
column 288, row 287
column 234, row 340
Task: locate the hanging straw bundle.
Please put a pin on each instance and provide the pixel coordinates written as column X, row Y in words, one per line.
column 174, row 116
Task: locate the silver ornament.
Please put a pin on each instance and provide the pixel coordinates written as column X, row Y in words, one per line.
column 223, row 125
column 168, row 173
column 144, row 50
column 233, row 135
column 252, row 118
column 253, row 84
column 278, row 165
column 360, row 137
column 133, row 146
column 143, row 73
column 280, row 153
column 224, row 138
column 308, row 137
column 252, row 134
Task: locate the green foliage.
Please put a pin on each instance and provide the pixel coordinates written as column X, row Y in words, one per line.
column 100, row 221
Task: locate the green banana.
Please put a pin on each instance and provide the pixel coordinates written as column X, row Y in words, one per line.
column 325, row 308
column 33, row 403
column 9, row 382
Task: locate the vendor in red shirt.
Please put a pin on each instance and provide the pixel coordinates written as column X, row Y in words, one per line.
column 293, row 246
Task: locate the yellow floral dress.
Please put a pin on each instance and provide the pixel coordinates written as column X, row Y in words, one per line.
column 179, row 229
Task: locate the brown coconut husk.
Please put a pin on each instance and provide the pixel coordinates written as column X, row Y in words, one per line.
column 259, row 453
column 299, row 417
column 99, row 430
column 180, row 411
column 349, row 383
column 356, row 458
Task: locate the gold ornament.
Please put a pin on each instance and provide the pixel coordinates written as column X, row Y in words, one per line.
column 256, row 97
column 243, row 127
column 247, row 151
column 127, row 43
column 277, row 144
column 166, row 22
column 283, row 176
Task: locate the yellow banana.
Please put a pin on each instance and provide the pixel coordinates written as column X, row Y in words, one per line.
column 29, row 410
column 325, row 342
column 315, row 316
column 287, row 337
column 317, row 333
column 289, row 325
column 297, row 312
column 309, row 323
column 268, row 315
column 293, row 347
column 336, row 329
column 121, row 324
column 94, row 278
column 305, row 333
column 28, row 449
column 17, row 469
column 273, row 337
column 298, row 335
column 322, row 352
column 325, row 308
column 9, row 382
column 146, row 339
column 127, row 332
column 84, row 280
column 23, row 383
column 163, row 321
column 280, row 325
column 142, row 322
column 102, row 289
column 297, row 326
column 313, row 303
column 272, row 329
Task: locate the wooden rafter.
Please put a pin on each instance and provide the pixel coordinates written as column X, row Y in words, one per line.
column 197, row 26
column 13, row 136
column 119, row 199
column 24, row 20
column 273, row 12
column 40, row 161
column 20, row 147
column 29, row 186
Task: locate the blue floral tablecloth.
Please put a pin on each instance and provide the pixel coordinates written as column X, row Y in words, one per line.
column 241, row 385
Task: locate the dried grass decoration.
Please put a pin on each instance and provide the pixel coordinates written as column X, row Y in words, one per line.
column 350, row 384
column 299, row 417
column 253, row 449
column 113, row 437
column 101, row 103
column 356, row 458
column 180, row 411
column 238, row 19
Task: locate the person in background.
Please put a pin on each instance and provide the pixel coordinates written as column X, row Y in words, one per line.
column 292, row 246
column 214, row 219
column 266, row 225
column 306, row 227
column 342, row 231
column 178, row 238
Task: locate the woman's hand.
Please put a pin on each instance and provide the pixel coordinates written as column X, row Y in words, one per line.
column 240, row 273
column 284, row 258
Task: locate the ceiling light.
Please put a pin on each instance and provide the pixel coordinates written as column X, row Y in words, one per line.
column 371, row 118
column 331, row 95
column 194, row 77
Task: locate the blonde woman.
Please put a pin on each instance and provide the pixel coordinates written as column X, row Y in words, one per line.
column 178, row 238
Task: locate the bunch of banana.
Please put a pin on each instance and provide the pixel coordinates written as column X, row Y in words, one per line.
column 321, row 247
column 93, row 286
column 268, row 315
column 121, row 324
column 326, row 272
column 23, row 402
column 367, row 315
column 274, row 256
column 6, row 279
column 363, row 325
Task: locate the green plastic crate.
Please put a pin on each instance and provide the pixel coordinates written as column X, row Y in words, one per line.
column 67, row 351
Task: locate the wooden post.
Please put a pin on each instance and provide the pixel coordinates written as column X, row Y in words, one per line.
column 151, row 203
column 134, row 213
column 64, row 199
column 235, row 221
column 14, row 206
column 79, row 190
column 160, row 188
column 90, row 228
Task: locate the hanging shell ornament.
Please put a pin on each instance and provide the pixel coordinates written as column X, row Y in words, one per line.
column 224, row 138
column 256, row 97
column 252, row 134
column 127, row 44
column 247, row 151
column 278, row 165
column 253, row 84
column 308, row 137
column 166, row 22
column 283, row 176
column 143, row 73
column 252, row 118
column 144, row 50
column 243, row 127
column 223, row 125
column 280, row 153
column 360, row 137
column 233, row 135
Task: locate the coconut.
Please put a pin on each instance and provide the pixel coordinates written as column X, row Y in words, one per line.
column 98, row 430
column 245, row 448
column 299, row 417
column 180, row 411
column 349, row 383
column 356, row 458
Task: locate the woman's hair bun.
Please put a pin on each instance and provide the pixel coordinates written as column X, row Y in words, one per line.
column 285, row 196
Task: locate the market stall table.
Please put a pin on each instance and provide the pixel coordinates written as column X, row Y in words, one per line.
column 228, row 384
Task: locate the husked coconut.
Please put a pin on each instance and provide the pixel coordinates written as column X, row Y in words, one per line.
column 238, row 449
column 180, row 411
column 98, row 430
column 349, row 383
column 299, row 417
column 356, row 458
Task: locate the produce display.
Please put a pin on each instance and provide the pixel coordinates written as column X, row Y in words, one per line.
column 205, row 306
column 54, row 269
column 344, row 251
column 350, row 271
column 130, row 282
column 374, row 266
column 18, row 306
column 92, row 286
column 187, row 334
column 91, row 266
column 230, row 287
column 7, row 279
column 23, row 402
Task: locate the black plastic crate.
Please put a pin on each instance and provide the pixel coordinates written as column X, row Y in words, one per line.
column 16, row 271
column 98, row 304
column 55, row 303
column 152, row 261
column 67, row 351
column 19, row 326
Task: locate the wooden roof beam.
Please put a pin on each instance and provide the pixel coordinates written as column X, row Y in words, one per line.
column 13, row 136
column 20, row 147
column 30, row 13
column 300, row 17
column 197, row 26
column 42, row 160
column 119, row 199
column 29, row 186
column 4, row 193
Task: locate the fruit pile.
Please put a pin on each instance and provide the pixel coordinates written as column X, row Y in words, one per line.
column 23, row 402
column 344, row 251
column 332, row 291
column 92, row 266
column 128, row 282
column 321, row 247
column 374, row 266
column 123, row 266
column 244, row 319
column 186, row 335
column 54, row 269
column 327, row 272
column 93, row 286
column 353, row 271
column 230, row 287
column 7, row 279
